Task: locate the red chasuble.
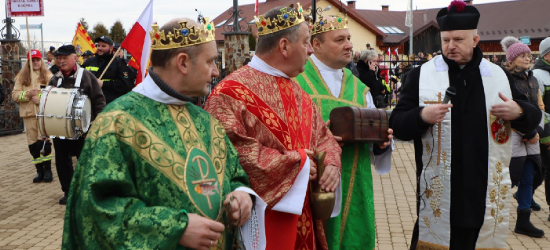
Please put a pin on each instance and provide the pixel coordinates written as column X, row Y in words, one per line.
column 270, row 121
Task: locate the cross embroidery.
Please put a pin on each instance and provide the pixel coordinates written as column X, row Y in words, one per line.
column 438, row 128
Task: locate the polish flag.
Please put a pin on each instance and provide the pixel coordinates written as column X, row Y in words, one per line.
column 257, row 8
column 395, row 52
column 138, row 41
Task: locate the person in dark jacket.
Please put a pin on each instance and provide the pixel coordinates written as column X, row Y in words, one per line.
column 466, row 143
column 541, row 71
column 526, row 162
column 54, row 67
column 369, row 74
column 117, row 80
column 64, row 149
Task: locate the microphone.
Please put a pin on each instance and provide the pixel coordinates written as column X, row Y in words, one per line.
column 450, row 93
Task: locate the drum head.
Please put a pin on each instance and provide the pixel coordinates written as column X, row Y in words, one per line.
column 86, row 115
column 41, row 107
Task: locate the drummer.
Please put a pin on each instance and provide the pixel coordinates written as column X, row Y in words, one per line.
column 26, row 93
column 65, row 149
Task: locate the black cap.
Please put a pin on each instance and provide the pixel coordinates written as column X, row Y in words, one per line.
column 52, row 48
column 66, row 50
column 87, row 53
column 116, row 45
column 105, row 39
column 458, row 16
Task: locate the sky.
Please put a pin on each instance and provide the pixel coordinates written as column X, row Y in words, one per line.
column 61, row 16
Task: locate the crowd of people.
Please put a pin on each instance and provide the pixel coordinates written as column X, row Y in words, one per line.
column 61, row 69
column 156, row 171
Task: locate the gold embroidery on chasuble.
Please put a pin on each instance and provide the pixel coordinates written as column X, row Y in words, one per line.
column 204, row 172
column 195, row 175
column 498, row 195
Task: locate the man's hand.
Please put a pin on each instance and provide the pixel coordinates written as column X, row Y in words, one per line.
column 201, row 233
column 337, row 138
column 533, row 140
column 312, row 168
column 35, row 99
column 384, row 145
column 330, row 179
column 100, row 82
column 509, row 110
column 435, row 113
column 372, row 66
column 241, row 208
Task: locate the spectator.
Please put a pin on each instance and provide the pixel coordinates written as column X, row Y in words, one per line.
column 369, row 74
column 541, row 71
column 495, row 60
column 526, row 162
column 369, row 47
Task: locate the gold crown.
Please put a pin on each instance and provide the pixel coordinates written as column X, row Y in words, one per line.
column 182, row 37
column 336, row 22
column 283, row 21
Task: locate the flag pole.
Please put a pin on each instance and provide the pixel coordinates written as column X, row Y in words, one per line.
column 29, row 60
column 113, row 58
column 411, row 31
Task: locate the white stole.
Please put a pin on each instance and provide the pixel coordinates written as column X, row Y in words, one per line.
column 435, row 180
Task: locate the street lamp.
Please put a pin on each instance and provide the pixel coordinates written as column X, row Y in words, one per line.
column 11, row 33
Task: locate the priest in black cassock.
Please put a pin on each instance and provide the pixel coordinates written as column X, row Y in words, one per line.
column 462, row 149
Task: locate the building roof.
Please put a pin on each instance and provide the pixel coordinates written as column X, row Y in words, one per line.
column 421, row 20
column 247, row 13
column 500, row 19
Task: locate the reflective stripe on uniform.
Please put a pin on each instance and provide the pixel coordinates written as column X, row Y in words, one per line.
column 36, row 160
column 42, row 159
column 107, row 80
column 47, row 158
column 22, row 96
column 91, row 68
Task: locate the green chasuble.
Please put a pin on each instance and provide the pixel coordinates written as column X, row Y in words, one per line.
column 353, row 228
column 144, row 166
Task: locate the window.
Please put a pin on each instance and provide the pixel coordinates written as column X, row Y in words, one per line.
column 390, row 30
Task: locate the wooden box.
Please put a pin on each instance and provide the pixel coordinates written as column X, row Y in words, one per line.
column 359, row 125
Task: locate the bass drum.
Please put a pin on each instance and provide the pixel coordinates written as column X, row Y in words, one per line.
column 63, row 113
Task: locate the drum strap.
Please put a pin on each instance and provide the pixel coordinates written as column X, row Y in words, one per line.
column 78, row 78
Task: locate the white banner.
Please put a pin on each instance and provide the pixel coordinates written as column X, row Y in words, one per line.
column 25, row 5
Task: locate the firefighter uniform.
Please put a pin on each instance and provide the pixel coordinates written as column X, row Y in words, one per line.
column 118, row 79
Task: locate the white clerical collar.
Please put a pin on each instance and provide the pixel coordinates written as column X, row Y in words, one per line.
column 323, row 67
column 150, row 89
column 258, row 64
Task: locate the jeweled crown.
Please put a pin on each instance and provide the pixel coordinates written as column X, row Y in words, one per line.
column 285, row 20
column 337, row 22
column 182, row 37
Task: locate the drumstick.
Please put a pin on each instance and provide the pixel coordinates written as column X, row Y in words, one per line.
column 43, row 146
column 105, row 70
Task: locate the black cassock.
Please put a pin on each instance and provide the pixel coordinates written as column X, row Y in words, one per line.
column 469, row 141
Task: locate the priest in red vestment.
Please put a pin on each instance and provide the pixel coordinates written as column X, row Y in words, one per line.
column 276, row 128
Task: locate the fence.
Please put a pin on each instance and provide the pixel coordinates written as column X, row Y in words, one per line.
column 10, row 122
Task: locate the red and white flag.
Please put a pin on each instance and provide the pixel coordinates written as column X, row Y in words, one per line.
column 138, row 41
column 257, row 8
column 395, row 52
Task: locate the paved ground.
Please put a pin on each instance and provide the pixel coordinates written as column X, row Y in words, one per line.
column 30, row 217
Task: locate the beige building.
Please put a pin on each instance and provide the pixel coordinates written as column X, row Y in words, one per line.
column 362, row 31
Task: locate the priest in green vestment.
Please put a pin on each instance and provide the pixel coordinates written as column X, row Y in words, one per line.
column 156, row 171
column 331, row 85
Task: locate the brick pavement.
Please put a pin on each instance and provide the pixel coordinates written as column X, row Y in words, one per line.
column 30, row 217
